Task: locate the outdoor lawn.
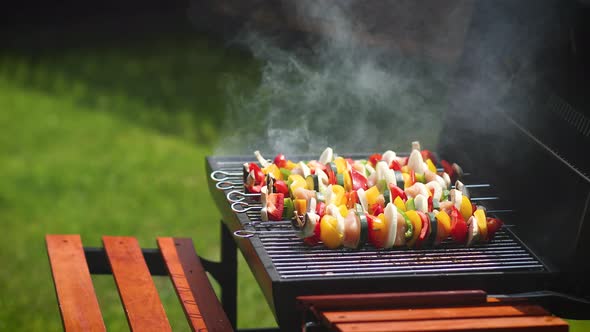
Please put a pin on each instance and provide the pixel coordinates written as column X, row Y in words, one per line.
column 111, row 138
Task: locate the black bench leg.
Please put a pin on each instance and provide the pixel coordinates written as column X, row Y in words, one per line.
column 229, row 281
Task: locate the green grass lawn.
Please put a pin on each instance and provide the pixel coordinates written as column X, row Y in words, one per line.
column 111, row 139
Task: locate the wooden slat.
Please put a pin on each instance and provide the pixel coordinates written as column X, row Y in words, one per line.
column 192, row 285
column 532, row 323
column 75, row 293
column 136, row 287
column 336, row 317
column 405, row 299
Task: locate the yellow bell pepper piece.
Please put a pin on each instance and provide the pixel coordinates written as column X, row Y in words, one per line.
column 347, row 182
column 340, row 197
column 296, row 181
column 430, row 165
column 372, row 194
column 274, row 170
column 466, row 208
column 300, row 205
column 480, row 217
column 329, row 232
column 443, row 222
column 341, row 166
column 399, row 203
column 343, row 210
column 417, row 222
column 290, row 165
column 407, row 180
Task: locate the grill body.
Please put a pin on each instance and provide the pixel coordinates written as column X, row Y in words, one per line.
column 285, row 267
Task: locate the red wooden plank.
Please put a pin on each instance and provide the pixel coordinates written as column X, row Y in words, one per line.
column 403, row 299
column 136, row 287
column 407, row 314
column 75, row 293
column 530, row 323
column 192, row 285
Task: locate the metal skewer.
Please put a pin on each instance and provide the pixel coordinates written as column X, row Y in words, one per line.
column 238, row 196
column 226, row 185
column 241, row 207
column 244, row 233
column 267, row 223
column 226, row 175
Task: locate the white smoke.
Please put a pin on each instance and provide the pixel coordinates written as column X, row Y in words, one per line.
column 366, row 82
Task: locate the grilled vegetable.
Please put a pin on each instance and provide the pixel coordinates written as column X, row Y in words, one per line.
column 355, row 230
column 493, row 225
column 443, row 226
column 305, row 225
column 458, row 226
column 390, row 214
column 274, row 206
column 330, row 232
column 425, row 231
column 414, row 217
column 473, row 231
column 386, row 200
column 433, row 229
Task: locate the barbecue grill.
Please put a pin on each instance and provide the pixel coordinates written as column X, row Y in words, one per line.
column 286, row 268
column 529, row 168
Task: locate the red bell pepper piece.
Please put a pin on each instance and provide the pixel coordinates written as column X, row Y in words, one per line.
column 425, row 232
column 493, row 224
column 358, row 180
column 448, row 168
column 280, row 160
column 320, row 209
column 458, row 226
column 258, row 174
column 426, row 154
column 397, row 191
column 430, row 204
column 395, row 165
column 352, row 198
column 315, row 238
column 374, row 158
column 274, row 206
column 331, row 176
column 254, row 189
column 376, row 209
column 371, row 236
column 412, row 177
column 281, row 187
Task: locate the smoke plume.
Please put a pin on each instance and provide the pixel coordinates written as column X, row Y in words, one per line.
column 374, row 75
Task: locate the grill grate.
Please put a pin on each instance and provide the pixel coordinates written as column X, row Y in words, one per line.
column 292, row 259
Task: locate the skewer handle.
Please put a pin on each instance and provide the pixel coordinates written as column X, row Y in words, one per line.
column 241, row 207
column 238, row 196
column 226, row 185
column 223, row 175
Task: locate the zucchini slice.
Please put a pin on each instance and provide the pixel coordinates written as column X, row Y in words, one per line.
column 364, row 226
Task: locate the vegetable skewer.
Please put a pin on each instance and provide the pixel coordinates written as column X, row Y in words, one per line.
column 386, row 200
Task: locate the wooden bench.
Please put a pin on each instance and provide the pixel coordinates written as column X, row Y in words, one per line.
column 424, row 311
column 77, row 299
